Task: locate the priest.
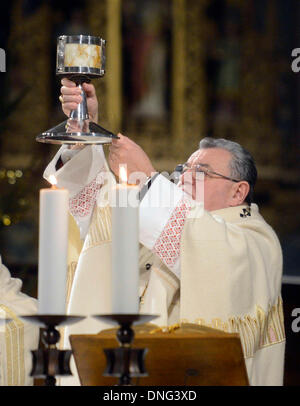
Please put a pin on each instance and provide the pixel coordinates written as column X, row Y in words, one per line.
column 206, row 254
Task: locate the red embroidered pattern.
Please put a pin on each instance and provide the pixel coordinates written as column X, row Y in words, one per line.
column 167, row 247
column 82, row 204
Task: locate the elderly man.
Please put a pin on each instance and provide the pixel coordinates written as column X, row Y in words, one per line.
column 17, row 338
column 207, row 256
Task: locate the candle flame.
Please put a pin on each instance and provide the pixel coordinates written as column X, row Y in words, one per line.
column 52, row 180
column 123, row 173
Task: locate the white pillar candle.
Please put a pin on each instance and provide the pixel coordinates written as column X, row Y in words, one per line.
column 125, row 250
column 53, row 250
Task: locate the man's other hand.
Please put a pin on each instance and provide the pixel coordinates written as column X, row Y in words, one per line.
column 125, row 151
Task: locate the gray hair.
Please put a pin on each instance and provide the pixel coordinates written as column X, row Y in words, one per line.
column 242, row 165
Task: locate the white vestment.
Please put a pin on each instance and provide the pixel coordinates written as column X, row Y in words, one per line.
column 17, row 338
column 221, row 269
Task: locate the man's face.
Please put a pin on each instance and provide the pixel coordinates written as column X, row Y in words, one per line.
column 218, row 192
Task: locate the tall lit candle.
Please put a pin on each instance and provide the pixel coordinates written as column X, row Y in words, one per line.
column 53, row 250
column 125, row 247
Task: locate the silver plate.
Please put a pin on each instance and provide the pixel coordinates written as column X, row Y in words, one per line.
column 74, row 138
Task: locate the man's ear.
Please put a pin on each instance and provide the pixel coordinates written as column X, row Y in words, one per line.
column 239, row 193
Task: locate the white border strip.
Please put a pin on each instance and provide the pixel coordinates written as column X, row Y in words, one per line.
column 289, row 279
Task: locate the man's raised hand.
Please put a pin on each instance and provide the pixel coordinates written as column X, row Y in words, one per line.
column 125, row 151
column 70, row 98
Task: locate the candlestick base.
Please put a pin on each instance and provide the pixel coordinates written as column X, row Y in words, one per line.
column 50, row 362
column 125, row 362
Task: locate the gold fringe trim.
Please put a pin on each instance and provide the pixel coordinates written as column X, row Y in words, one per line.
column 14, row 340
column 100, row 228
column 263, row 330
column 166, row 329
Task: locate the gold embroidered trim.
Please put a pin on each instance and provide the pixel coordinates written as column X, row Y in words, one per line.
column 99, row 232
column 14, row 340
column 70, row 277
column 166, row 329
column 263, row 330
column 100, row 228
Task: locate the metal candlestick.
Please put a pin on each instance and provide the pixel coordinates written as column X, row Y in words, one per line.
column 80, row 58
column 50, row 362
column 125, row 362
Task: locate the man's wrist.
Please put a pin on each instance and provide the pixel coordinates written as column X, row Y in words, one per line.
column 147, row 184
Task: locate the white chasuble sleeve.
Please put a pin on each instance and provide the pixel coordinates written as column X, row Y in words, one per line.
column 163, row 211
column 231, row 269
column 83, row 174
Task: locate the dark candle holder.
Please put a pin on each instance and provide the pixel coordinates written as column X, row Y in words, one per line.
column 125, row 362
column 50, row 362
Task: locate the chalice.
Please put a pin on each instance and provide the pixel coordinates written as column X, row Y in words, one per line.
column 79, row 58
